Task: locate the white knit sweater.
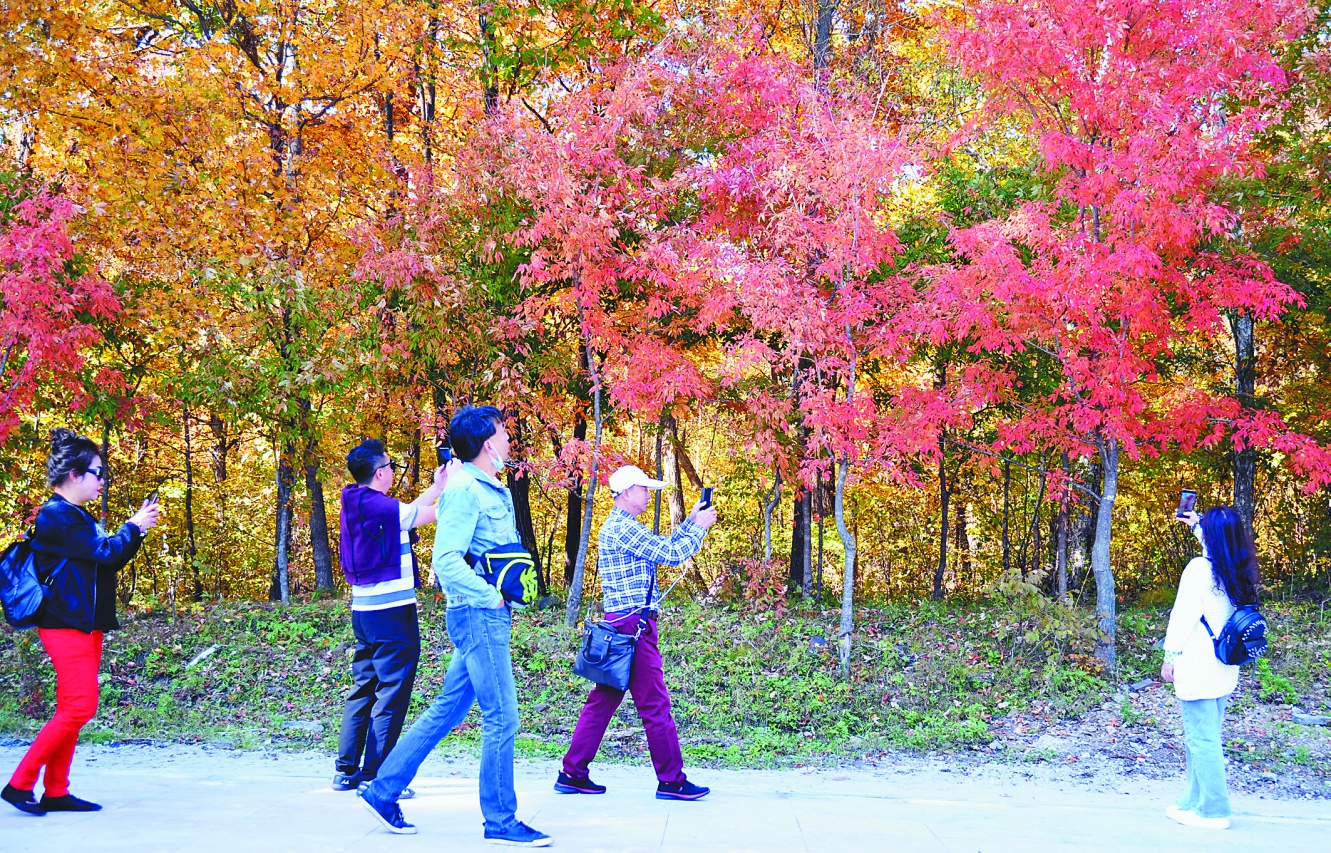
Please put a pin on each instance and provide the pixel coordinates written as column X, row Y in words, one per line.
column 1198, row 673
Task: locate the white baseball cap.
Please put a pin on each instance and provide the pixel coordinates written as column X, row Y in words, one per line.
column 629, row 476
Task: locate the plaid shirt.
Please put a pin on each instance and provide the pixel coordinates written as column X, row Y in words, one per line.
column 627, row 555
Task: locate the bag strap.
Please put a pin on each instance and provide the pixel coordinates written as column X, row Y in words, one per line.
column 642, row 614
column 1207, row 626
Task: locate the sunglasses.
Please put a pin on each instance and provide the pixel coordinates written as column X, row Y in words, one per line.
column 96, row 472
column 390, row 464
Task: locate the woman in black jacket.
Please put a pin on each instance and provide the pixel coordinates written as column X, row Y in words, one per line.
column 81, row 560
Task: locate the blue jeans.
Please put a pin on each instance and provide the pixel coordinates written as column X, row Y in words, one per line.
column 481, row 671
column 1206, row 794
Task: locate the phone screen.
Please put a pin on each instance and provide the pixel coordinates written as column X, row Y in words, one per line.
column 707, row 496
column 444, row 454
column 1187, row 502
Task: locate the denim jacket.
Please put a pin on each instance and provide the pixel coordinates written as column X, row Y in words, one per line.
column 475, row 515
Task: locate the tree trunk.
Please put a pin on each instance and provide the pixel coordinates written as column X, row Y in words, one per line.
column 573, row 511
column 962, row 541
column 191, row 546
column 1062, row 556
column 1083, row 532
column 1245, row 388
column 281, row 587
column 800, row 536
column 822, row 43
column 943, row 491
column 1035, row 521
column 673, row 476
column 847, row 626
column 770, row 504
column 414, row 463
column 579, row 565
column 806, row 580
column 107, row 475
column 219, row 451
column 1105, row 603
column 319, row 545
column 660, row 475
column 489, row 74
column 519, row 485
column 1007, row 503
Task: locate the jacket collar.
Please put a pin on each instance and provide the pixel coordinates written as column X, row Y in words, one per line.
column 480, row 476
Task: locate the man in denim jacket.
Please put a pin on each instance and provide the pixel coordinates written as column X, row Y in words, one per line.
column 475, row 515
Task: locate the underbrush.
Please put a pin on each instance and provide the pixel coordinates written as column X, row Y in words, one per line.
column 749, row 689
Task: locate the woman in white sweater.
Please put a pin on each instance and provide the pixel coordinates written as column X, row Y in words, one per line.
column 1211, row 586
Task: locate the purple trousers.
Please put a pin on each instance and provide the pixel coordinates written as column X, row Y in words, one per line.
column 647, row 684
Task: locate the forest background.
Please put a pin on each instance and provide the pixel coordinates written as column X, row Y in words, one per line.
column 945, row 300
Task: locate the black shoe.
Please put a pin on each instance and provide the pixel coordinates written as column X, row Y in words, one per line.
column 685, row 790
column 407, row 793
column 567, row 784
column 347, row 781
column 67, row 803
column 22, row 800
column 389, row 814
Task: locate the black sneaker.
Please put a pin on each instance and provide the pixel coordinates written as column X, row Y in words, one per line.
column 519, row 835
column 389, row 814
column 685, row 790
column 347, row 781
column 407, row 793
column 22, row 800
column 67, row 803
column 567, row 784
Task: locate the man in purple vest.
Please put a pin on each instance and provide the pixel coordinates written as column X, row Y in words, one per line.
column 380, row 566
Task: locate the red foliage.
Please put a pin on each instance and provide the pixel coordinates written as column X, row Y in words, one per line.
column 49, row 307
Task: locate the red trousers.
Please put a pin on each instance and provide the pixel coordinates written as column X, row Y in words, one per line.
column 77, row 657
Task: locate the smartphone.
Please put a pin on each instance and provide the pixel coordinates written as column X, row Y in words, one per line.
column 151, row 499
column 1187, row 502
column 707, row 497
column 444, row 453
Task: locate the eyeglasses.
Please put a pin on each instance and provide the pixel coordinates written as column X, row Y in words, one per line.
column 390, row 464
column 96, row 472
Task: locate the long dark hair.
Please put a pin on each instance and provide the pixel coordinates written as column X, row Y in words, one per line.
column 70, row 453
column 1233, row 556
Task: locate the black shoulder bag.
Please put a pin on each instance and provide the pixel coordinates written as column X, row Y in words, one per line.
column 605, row 655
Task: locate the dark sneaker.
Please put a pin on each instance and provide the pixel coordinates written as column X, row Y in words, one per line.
column 389, row 814
column 68, row 803
column 685, row 790
column 22, row 800
column 519, row 835
column 347, row 781
column 567, row 784
column 407, row 793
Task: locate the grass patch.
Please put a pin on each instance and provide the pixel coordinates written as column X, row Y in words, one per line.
column 749, row 689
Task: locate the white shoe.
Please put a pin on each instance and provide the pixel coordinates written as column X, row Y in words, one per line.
column 1187, row 817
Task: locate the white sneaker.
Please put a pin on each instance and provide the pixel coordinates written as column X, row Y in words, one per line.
column 1188, row 817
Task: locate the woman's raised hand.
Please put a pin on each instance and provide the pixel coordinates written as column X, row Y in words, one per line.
column 147, row 516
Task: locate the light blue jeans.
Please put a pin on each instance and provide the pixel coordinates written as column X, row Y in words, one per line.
column 1206, row 794
column 481, row 671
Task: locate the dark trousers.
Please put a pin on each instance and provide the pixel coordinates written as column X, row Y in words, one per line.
column 388, row 647
column 647, row 684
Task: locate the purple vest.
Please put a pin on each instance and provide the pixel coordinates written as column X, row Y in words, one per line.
column 371, row 548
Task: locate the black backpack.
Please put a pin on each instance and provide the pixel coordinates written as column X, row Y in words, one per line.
column 21, row 589
column 1242, row 639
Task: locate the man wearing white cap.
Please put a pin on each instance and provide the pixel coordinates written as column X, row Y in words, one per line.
column 627, row 556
